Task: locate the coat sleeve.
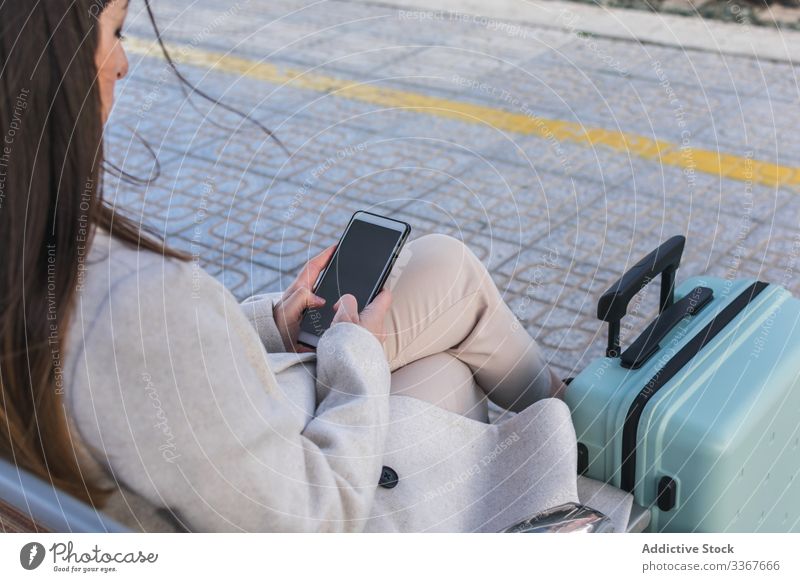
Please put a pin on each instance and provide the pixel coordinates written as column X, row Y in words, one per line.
column 258, row 310
column 178, row 396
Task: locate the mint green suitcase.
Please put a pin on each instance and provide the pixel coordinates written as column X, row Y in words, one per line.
column 700, row 416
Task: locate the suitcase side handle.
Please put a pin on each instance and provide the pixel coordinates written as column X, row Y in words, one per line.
column 613, row 304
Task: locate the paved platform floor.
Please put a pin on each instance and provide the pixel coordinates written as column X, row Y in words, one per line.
column 464, row 126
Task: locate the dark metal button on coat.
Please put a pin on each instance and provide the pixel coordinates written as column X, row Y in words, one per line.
column 388, row 478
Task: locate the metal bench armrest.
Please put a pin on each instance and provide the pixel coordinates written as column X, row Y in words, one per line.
column 566, row 518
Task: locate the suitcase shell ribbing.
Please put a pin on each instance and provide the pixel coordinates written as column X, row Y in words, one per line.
column 721, row 436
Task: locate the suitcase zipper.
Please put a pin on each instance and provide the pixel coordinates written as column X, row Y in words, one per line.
column 670, row 369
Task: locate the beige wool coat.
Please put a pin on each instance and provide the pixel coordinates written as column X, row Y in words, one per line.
column 185, row 402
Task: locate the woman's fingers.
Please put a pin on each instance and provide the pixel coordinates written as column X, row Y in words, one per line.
column 301, row 298
column 382, row 301
column 380, row 305
column 313, row 268
column 374, row 314
column 324, row 256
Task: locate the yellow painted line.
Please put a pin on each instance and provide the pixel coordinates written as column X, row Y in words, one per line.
column 667, row 153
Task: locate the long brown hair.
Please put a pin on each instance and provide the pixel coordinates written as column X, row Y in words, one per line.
column 51, row 152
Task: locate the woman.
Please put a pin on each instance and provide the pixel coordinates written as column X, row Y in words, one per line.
column 134, row 381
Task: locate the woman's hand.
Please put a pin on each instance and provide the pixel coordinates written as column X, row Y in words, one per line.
column 288, row 311
column 371, row 318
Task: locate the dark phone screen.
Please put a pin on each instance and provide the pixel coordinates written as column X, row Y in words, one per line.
column 356, row 268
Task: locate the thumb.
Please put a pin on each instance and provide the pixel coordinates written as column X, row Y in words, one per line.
column 301, row 298
column 346, row 309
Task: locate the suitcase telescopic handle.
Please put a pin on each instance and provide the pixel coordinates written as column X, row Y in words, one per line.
column 613, row 304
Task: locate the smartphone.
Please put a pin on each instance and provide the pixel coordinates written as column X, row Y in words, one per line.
column 363, row 259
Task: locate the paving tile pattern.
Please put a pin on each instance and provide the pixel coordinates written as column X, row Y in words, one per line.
column 555, row 223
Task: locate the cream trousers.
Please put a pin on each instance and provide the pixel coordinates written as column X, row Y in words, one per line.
column 450, row 338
